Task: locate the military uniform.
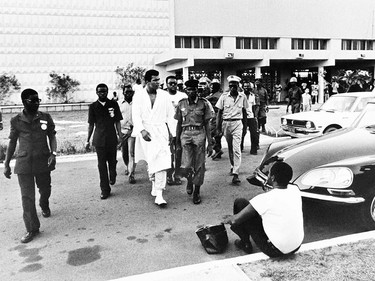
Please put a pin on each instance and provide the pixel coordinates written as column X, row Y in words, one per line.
column 32, row 162
column 193, row 117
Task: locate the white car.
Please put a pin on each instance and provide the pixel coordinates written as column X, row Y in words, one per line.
column 339, row 111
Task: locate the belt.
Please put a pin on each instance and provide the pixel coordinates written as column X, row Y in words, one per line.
column 232, row 119
column 191, row 128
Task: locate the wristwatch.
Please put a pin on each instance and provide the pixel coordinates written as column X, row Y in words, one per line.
column 54, row 153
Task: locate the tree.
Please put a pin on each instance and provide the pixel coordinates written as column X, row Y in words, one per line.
column 8, row 83
column 128, row 74
column 350, row 80
column 62, row 86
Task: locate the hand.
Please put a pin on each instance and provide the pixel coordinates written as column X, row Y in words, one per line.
column 87, row 146
column 146, row 135
column 178, row 145
column 219, row 132
column 228, row 220
column 7, row 171
column 209, row 150
column 52, row 160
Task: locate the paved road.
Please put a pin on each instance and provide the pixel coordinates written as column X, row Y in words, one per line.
column 90, row 239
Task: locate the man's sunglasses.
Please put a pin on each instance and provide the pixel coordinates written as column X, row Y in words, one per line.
column 33, row 100
column 172, row 83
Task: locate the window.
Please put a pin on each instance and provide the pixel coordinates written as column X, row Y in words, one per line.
column 309, row 44
column 255, row 43
column 348, row 44
column 197, row 42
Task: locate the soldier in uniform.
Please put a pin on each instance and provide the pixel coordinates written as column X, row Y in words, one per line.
column 233, row 111
column 35, row 159
column 193, row 129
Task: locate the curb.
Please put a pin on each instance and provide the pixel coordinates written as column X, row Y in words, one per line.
column 228, row 269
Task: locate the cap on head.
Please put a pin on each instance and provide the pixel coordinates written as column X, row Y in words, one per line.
column 192, row 83
column 293, row 80
column 233, row 78
column 215, row 81
column 179, row 82
column 204, row 80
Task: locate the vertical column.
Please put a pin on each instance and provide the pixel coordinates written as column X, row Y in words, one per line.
column 321, row 84
column 185, row 73
column 258, row 72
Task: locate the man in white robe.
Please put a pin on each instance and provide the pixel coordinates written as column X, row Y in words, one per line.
column 153, row 114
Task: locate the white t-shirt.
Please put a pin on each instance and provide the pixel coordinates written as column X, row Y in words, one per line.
column 282, row 217
column 175, row 99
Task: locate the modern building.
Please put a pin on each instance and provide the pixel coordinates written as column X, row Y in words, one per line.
column 269, row 39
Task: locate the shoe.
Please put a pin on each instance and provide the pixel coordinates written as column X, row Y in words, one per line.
column 29, row 236
column 170, row 181
column 231, row 172
column 159, row 200
column 132, row 179
column 112, row 181
column 197, row 198
column 126, row 172
column 189, row 188
column 46, row 212
column 246, row 247
column 217, row 155
column 253, row 152
column 177, row 181
column 104, row 195
column 235, row 179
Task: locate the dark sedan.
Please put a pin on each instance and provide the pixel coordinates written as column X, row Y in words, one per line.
column 338, row 167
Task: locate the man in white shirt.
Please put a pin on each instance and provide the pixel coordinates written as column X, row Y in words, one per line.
column 274, row 219
column 252, row 121
column 175, row 96
column 152, row 114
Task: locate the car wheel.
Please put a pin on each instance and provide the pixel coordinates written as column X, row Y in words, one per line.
column 330, row 129
column 367, row 213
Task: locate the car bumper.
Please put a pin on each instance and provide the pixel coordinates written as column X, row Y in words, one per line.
column 260, row 179
column 299, row 132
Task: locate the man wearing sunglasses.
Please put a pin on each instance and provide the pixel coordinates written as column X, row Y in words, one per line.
column 36, row 158
column 232, row 114
column 175, row 96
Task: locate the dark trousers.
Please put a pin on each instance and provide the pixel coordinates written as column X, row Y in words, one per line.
column 252, row 124
column 107, row 154
column 254, row 228
column 27, row 185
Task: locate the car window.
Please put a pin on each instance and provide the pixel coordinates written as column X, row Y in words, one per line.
column 338, row 103
column 362, row 103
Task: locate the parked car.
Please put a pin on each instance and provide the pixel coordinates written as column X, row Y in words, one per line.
column 334, row 168
column 339, row 111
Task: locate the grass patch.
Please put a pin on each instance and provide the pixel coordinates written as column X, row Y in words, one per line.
column 354, row 261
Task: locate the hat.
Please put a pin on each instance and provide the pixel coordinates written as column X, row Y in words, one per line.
column 233, row 78
column 215, row 81
column 204, row 80
column 192, row 83
column 179, row 81
column 293, row 80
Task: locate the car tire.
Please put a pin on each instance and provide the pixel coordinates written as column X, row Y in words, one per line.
column 367, row 213
column 330, row 129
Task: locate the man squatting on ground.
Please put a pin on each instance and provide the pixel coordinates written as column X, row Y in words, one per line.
column 175, row 96
column 233, row 111
column 273, row 219
column 193, row 129
column 128, row 142
column 152, row 114
column 105, row 116
column 36, row 158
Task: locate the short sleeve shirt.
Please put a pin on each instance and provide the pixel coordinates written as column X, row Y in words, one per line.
column 232, row 108
column 104, row 119
column 193, row 114
column 282, row 217
column 33, row 150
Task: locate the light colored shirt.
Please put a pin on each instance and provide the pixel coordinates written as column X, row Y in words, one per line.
column 175, row 99
column 232, row 107
column 282, row 217
column 306, row 99
column 126, row 110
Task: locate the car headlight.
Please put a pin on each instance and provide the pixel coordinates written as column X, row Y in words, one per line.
column 283, row 121
column 308, row 125
column 333, row 177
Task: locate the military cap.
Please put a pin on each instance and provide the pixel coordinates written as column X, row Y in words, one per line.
column 204, row 80
column 192, row 83
column 215, row 81
column 233, row 78
column 179, row 82
column 293, row 80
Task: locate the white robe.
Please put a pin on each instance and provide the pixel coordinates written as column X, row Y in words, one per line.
column 156, row 152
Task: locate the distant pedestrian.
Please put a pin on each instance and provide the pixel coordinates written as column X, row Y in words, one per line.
column 104, row 117
column 137, row 85
column 193, row 115
column 252, row 121
column 294, row 96
column 314, row 92
column 175, row 96
column 128, row 142
column 180, row 85
column 153, row 114
column 278, row 90
column 115, row 97
column 35, row 132
column 274, row 219
column 262, row 94
column 306, row 100
column 233, row 111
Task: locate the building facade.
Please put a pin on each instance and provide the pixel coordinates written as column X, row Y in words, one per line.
column 269, row 39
